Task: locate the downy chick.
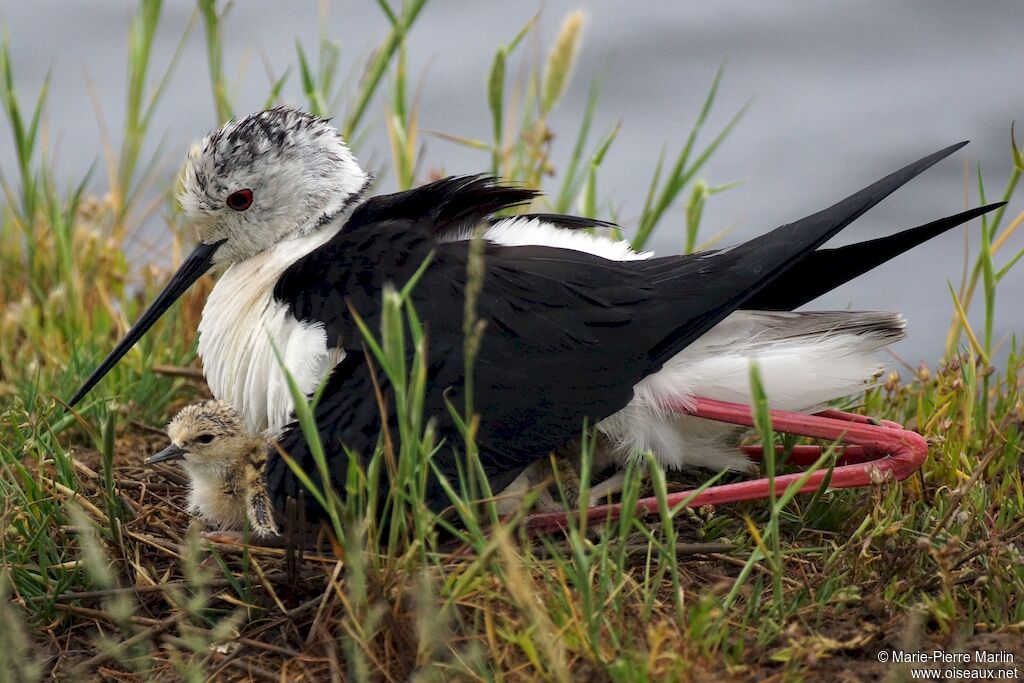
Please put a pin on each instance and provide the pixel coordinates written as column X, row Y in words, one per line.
column 225, row 465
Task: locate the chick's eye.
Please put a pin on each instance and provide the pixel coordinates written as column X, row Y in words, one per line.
column 240, row 200
column 204, row 438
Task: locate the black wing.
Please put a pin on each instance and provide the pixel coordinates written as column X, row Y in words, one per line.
column 557, row 347
column 564, row 221
column 448, row 208
column 568, row 333
column 451, row 208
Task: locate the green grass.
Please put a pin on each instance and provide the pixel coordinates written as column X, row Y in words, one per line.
column 101, row 572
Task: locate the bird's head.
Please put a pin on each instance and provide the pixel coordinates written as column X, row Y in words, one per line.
column 208, row 436
column 264, row 178
column 246, row 187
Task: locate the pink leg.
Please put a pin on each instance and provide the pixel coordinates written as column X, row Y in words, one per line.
column 874, row 451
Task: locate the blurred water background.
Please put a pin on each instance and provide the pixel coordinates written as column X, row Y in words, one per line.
column 841, row 93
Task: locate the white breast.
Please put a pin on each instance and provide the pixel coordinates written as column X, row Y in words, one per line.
column 240, row 328
column 207, row 497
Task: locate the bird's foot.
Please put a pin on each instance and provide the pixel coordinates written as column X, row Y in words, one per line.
column 238, row 538
column 225, row 537
column 603, row 490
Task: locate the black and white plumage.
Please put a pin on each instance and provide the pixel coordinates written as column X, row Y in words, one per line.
column 577, row 327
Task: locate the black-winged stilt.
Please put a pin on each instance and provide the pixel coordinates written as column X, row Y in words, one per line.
column 577, row 327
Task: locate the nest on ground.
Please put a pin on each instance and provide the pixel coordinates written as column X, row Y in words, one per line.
column 237, row 609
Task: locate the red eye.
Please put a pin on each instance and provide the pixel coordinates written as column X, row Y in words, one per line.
column 241, row 200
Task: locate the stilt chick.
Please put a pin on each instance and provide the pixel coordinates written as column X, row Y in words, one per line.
column 225, row 465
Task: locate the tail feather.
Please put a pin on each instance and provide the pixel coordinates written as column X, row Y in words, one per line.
column 733, row 277
column 823, row 270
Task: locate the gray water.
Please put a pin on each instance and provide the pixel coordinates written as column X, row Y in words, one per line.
column 841, row 93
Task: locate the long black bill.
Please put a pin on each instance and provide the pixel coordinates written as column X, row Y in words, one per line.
column 172, row 452
column 197, row 263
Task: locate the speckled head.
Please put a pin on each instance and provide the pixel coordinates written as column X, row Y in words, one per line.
column 208, row 433
column 266, row 177
column 250, row 186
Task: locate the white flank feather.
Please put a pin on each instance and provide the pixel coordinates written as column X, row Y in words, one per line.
column 800, row 370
